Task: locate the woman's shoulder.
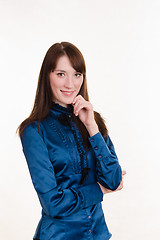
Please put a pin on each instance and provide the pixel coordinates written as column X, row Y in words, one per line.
column 31, row 125
column 32, row 129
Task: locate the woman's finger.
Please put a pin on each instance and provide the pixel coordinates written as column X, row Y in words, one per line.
column 76, row 104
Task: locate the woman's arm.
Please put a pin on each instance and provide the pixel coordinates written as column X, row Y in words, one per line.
column 109, row 173
column 54, row 200
column 92, row 130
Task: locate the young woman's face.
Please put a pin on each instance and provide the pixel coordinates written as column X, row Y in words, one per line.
column 65, row 82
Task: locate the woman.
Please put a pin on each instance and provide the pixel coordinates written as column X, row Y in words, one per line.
column 70, row 156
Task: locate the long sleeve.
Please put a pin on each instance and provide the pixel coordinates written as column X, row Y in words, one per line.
column 54, row 200
column 108, row 170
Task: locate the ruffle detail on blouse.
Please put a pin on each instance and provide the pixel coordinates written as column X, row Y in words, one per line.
column 65, row 117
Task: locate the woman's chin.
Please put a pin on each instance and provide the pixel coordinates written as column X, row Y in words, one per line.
column 69, row 100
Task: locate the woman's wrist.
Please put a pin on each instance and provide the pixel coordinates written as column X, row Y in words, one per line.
column 92, row 129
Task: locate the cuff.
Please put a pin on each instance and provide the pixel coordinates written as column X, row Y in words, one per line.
column 91, row 194
column 99, row 146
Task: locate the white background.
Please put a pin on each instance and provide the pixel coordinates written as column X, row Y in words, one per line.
column 120, row 41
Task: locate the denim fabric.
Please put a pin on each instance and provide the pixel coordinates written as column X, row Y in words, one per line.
column 70, row 210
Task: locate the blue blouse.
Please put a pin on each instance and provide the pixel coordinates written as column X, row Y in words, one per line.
column 70, row 210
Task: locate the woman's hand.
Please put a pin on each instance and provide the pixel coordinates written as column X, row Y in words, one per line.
column 84, row 110
column 105, row 190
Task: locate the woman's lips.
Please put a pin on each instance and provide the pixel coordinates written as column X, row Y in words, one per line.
column 67, row 93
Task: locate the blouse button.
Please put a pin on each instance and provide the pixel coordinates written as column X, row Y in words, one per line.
column 96, row 148
column 90, row 231
column 100, row 156
column 89, row 217
column 92, row 140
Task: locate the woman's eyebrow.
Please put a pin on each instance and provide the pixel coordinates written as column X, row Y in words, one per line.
column 60, row 70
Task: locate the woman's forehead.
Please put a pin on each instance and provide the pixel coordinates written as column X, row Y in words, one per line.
column 64, row 65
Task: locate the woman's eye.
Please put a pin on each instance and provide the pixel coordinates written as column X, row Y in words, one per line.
column 78, row 74
column 60, row 74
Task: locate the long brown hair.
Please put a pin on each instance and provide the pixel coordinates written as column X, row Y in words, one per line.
column 44, row 97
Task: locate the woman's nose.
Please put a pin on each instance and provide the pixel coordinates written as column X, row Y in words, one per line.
column 69, row 82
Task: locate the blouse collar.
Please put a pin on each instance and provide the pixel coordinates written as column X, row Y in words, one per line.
column 59, row 109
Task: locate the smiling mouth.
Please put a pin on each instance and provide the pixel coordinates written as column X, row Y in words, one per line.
column 67, row 93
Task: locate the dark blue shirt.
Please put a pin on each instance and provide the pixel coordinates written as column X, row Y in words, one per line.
column 70, row 210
